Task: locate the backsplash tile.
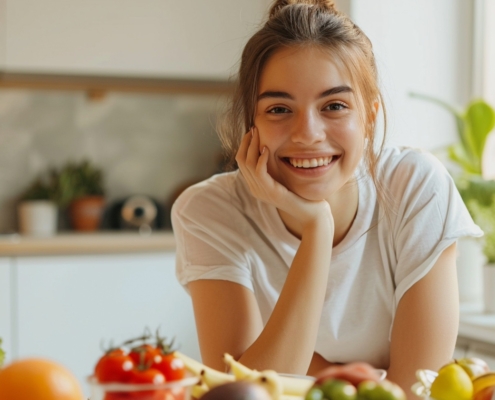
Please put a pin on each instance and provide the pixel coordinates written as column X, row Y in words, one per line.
column 145, row 144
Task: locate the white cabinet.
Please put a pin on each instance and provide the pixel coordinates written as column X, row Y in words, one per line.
column 68, row 306
column 6, row 307
column 160, row 38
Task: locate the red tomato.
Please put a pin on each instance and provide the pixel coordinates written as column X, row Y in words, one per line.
column 114, row 366
column 149, row 376
column 145, row 355
column 172, row 367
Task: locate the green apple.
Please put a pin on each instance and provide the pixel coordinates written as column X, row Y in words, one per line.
column 337, row 389
column 384, row 390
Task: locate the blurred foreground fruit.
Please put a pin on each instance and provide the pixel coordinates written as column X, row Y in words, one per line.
column 385, row 390
column 338, row 389
column 40, row 379
column 452, row 383
column 487, row 393
column 239, row 390
column 473, row 366
column 482, row 383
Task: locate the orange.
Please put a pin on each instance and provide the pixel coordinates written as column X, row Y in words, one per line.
column 38, row 379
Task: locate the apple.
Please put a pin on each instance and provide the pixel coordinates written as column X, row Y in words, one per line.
column 473, row 366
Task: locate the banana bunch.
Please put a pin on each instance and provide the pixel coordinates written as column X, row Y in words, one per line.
column 279, row 387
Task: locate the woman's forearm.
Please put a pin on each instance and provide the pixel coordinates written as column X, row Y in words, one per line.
column 288, row 340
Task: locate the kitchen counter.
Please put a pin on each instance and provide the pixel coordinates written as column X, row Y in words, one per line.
column 477, row 325
column 86, row 243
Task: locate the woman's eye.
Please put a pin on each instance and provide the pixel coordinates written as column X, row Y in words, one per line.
column 335, row 106
column 278, row 110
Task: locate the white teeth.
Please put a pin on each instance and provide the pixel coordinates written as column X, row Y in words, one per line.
column 310, row 162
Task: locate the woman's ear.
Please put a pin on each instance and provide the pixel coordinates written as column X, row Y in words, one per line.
column 376, row 108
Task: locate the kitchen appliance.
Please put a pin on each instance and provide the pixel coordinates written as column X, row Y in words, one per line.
column 138, row 212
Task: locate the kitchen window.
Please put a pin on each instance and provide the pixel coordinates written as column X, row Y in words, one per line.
column 483, row 70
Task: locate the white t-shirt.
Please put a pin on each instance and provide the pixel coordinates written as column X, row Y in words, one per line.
column 223, row 232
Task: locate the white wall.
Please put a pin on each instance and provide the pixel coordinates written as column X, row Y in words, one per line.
column 422, row 46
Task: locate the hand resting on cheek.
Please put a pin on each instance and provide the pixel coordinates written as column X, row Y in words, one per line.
column 253, row 166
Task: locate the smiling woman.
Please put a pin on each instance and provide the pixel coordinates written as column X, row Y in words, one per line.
column 321, row 246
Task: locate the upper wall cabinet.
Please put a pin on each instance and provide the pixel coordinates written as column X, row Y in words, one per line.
column 150, row 38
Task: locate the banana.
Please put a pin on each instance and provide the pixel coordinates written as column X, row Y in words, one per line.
column 483, row 381
column 280, row 387
column 240, row 371
column 199, row 389
column 291, row 385
column 193, row 366
column 213, row 378
column 270, row 380
column 296, row 386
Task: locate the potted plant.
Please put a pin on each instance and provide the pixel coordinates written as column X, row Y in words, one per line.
column 473, row 127
column 37, row 209
column 81, row 192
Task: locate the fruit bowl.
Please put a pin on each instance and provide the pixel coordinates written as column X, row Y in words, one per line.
column 422, row 387
column 173, row 390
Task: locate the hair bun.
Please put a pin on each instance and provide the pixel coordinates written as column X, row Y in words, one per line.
column 327, row 5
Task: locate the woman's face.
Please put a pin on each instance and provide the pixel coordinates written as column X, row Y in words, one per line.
column 308, row 117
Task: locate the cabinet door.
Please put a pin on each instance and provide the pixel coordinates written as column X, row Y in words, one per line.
column 184, row 39
column 70, row 306
column 6, row 327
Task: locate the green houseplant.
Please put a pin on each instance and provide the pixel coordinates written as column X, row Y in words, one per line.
column 474, row 124
column 81, row 192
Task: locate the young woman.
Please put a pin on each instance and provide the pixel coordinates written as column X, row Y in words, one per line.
column 323, row 246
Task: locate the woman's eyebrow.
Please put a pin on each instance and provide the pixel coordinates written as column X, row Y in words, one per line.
column 335, row 90
column 285, row 95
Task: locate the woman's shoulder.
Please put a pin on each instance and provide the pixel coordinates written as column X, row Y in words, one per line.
column 409, row 158
column 406, row 167
column 216, row 191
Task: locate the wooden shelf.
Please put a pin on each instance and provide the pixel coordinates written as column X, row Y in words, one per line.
column 96, row 85
column 105, row 242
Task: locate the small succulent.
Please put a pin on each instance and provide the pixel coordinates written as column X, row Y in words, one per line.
column 77, row 180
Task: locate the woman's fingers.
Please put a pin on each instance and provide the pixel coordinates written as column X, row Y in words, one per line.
column 253, row 152
column 243, row 148
column 353, row 372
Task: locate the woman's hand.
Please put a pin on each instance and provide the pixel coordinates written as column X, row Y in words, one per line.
column 354, row 373
column 253, row 166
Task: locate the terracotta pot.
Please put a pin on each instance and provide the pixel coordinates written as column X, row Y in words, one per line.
column 85, row 213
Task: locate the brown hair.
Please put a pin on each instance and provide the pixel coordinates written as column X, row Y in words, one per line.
column 293, row 23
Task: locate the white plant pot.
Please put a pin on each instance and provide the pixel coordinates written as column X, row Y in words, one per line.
column 489, row 288
column 470, row 261
column 37, row 217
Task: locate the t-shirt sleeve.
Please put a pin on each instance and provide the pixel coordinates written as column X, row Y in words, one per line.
column 430, row 217
column 208, row 242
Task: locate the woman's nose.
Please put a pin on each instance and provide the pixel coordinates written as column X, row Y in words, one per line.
column 308, row 129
